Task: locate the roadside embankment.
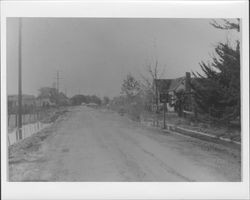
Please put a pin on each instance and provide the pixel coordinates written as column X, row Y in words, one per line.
column 47, row 118
column 29, row 151
column 201, row 130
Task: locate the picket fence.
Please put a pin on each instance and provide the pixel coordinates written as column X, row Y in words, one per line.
column 27, row 131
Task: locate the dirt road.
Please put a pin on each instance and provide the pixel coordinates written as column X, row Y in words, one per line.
column 89, row 144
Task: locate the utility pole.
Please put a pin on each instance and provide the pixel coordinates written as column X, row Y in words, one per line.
column 164, row 99
column 57, row 85
column 19, row 125
column 57, row 81
column 58, row 78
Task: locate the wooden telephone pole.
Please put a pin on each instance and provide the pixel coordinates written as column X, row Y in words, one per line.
column 19, row 125
column 57, row 81
column 164, row 98
column 58, row 78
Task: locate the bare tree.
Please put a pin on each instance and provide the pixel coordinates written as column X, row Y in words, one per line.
column 148, row 83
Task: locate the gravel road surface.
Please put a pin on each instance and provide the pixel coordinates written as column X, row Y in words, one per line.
column 88, row 144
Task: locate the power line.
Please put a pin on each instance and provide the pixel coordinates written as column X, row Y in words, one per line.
column 58, row 78
column 20, row 80
column 57, row 82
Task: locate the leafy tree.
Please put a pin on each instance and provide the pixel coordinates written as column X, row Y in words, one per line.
column 62, row 99
column 217, row 92
column 130, row 87
column 78, row 99
column 48, row 92
column 95, row 99
column 132, row 94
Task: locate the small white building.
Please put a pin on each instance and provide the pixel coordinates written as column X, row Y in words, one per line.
column 44, row 101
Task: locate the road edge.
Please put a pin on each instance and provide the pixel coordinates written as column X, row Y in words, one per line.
column 197, row 134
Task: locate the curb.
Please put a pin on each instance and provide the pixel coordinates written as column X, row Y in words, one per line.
column 197, row 134
column 193, row 133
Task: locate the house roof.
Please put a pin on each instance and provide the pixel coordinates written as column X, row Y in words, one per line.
column 163, row 85
column 167, row 85
column 175, row 83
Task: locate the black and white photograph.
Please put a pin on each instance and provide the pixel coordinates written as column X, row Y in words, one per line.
column 124, row 99
column 102, row 99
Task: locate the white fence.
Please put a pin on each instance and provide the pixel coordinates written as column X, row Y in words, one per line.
column 27, row 130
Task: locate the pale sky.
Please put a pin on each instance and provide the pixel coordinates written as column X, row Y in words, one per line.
column 94, row 55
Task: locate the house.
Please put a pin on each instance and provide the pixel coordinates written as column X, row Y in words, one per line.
column 27, row 102
column 26, row 99
column 171, row 87
column 51, row 97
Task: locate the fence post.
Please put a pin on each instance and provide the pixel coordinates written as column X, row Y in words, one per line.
column 164, row 116
column 16, row 120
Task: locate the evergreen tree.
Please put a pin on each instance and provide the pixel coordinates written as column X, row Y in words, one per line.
column 217, row 92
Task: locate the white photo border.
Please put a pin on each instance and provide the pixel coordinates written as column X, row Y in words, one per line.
column 129, row 190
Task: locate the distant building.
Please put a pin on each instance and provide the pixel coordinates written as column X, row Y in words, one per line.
column 27, row 102
column 50, row 97
column 44, row 102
